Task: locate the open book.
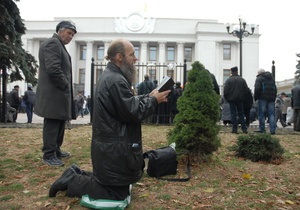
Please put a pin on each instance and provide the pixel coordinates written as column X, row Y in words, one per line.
column 166, row 84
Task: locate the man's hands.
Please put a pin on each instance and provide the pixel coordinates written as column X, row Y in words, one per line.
column 160, row 96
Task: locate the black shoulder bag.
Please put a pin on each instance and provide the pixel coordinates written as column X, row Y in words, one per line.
column 163, row 161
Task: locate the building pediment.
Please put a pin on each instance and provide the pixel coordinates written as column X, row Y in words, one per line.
column 135, row 23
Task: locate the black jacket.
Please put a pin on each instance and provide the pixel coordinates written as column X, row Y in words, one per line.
column 235, row 88
column 265, row 87
column 13, row 98
column 295, row 102
column 117, row 155
column 29, row 97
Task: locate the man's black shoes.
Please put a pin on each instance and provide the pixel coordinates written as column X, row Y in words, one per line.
column 61, row 154
column 61, row 184
column 76, row 169
column 53, row 161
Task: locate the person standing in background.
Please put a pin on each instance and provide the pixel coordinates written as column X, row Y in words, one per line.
column 234, row 92
column 54, row 95
column 295, row 102
column 146, row 87
column 286, row 105
column 247, row 104
column 279, row 103
column 15, row 101
column 29, row 98
column 265, row 92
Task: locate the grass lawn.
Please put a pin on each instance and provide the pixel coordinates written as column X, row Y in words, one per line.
column 225, row 182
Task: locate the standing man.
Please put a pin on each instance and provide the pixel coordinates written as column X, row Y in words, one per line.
column 295, row 102
column 279, row 104
column 265, row 92
column 286, row 105
column 29, row 98
column 234, row 90
column 116, row 149
column 54, row 94
column 79, row 101
column 14, row 101
column 146, row 87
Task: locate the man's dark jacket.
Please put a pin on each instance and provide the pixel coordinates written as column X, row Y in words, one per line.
column 117, row 154
column 146, row 87
column 235, row 88
column 265, row 87
column 54, row 94
column 295, row 101
column 29, row 96
column 13, row 98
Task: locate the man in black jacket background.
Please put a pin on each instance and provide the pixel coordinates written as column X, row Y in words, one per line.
column 234, row 91
column 265, row 92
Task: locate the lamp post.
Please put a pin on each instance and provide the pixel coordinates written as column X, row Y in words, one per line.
column 240, row 33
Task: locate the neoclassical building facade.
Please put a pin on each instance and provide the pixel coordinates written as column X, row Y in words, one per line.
column 161, row 46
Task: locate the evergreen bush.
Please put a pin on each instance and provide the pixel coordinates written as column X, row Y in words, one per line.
column 260, row 147
column 195, row 126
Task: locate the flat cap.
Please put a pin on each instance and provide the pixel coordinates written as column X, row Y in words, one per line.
column 66, row 24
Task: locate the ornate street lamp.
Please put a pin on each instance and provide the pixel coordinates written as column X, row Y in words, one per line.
column 240, row 32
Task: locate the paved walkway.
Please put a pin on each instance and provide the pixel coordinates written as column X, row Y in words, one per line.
column 38, row 122
column 22, row 118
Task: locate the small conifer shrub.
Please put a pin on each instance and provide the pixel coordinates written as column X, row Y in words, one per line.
column 260, row 147
column 195, row 126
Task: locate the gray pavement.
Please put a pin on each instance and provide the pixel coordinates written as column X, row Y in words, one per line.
column 22, row 118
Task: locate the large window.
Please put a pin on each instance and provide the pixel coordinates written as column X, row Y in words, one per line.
column 100, row 52
column 81, row 76
column 170, row 53
column 137, row 51
column 226, row 51
column 226, row 74
column 82, row 52
column 188, row 54
column 152, row 53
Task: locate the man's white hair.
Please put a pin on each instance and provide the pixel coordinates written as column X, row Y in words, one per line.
column 260, row 71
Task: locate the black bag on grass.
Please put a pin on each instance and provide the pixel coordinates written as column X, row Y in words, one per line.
column 162, row 161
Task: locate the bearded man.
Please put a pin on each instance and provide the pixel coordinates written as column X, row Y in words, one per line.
column 116, row 149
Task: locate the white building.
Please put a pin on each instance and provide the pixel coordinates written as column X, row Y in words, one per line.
column 161, row 46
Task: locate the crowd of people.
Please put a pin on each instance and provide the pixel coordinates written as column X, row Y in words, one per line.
column 264, row 105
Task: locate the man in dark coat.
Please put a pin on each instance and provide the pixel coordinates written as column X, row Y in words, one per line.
column 295, row 102
column 54, row 94
column 234, row 90
column 146, row 87
column 116, row 148
column 247, row 105
column 265, row 92
column 29, row 98
column 215, row 83
column 14, row 101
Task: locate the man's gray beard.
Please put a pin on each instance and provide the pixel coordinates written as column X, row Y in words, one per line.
column 129, row 71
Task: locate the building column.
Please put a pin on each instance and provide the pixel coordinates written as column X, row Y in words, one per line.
column 29, row 46
column 161, row 59
column 180, row 60
column 218, row 71
column 89, row 55
column 143, row 60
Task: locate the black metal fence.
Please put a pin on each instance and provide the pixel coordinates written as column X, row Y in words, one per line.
column 163, row 114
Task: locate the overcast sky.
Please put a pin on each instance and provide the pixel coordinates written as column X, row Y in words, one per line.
column 278, row 20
